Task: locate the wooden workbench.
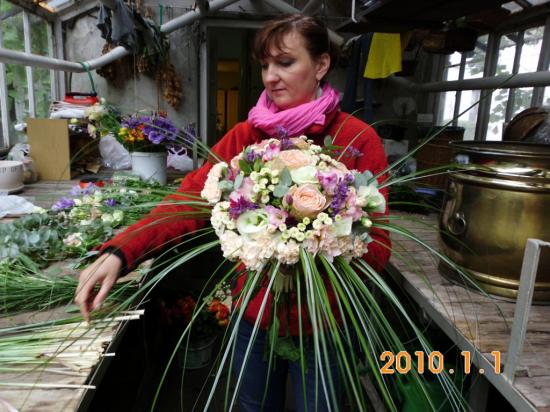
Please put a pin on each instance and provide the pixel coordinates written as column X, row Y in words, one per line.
column 477, row 323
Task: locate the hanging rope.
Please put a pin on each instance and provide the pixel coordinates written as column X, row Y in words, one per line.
column 86, row 67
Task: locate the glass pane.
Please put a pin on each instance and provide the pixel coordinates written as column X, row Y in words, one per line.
column 530, row 52
column 499, row 100
column 39, row 35
column 512, row 6
column 522, row 99
column 18, row 106
column 546, row 100
column 468, row 120
column 447, row 103
column 12, row 32
column 42, row 91
column 453, row 67
column 475, row 60
column 507, row 50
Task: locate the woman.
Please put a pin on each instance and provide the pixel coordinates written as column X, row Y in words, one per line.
column 295, row 55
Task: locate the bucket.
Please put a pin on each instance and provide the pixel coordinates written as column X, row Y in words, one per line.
column 150, row 166
column 491, row 210
column 11, row 176
column 196, row 354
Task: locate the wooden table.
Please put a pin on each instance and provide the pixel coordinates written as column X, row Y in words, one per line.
column 476, row 323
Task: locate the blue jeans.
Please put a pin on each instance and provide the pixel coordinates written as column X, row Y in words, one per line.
column 254, row 378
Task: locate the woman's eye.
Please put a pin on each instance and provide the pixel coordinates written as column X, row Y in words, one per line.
column 286, row 63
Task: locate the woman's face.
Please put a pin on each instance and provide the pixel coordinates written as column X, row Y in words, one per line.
column 291, row 76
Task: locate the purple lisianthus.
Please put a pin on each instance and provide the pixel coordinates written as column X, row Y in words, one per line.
column 328, row 181
column 133, row 122
column 271, row 151
column 240, row 205
column 63, row 203
column 276, row 216
column 110, row 202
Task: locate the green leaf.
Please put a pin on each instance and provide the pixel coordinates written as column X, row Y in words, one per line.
column 286, row 178
column 245, row 167
column 280, row 190
column 258, row 165
column 328, row 141
column 238, row 181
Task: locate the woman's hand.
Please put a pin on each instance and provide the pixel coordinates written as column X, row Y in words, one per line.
column 104, row 271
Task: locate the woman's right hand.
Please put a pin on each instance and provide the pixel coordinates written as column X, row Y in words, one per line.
column 104, row 272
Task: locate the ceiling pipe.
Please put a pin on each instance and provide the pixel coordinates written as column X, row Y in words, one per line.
column 287, row 8
column 28, row 59
column 534, row 79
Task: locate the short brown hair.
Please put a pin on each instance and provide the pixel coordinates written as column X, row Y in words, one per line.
column 312, row 30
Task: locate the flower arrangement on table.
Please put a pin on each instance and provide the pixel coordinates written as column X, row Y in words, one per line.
column 140, row 133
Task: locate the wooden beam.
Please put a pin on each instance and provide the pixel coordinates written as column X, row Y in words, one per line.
column 34, row 9
column 77, row 9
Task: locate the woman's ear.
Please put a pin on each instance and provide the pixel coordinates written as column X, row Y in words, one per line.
column 323, row 64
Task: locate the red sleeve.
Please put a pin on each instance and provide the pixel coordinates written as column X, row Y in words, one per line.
column 170, row 220
column 374, row 159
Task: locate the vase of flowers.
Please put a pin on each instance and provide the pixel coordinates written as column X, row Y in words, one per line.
column 146, row 138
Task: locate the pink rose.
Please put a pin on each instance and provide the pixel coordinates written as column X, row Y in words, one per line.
column 307, row 201
column 294, row 159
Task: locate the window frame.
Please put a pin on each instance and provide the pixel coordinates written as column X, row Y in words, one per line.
column 56, row 84
column 489, row 70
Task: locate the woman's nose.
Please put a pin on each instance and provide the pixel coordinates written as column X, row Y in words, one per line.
column 270, row 74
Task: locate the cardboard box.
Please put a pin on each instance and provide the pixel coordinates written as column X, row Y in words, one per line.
column 50, row 147
column 60, row 154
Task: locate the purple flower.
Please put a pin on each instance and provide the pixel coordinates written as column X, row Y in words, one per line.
column 110, row 202
column 159, row 130
column 250, row 156
column 282, row 132
column 286, row 144
column 328, row 181
column 271, row 151
column 276, row 216
column 240, row 205
column 339, row 199
column 63, row 203
column 89, row 189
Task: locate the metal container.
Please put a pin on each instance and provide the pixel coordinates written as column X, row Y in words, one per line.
column 492, row 208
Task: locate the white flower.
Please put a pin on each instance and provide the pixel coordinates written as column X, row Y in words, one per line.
column 288, row 253
column 341, row 227
column 118, row 216
column 231, row 244
column 107, row 218
column 211, row 191
column 73, row 240
column 370, row 197
column 38, row 209
column 252, row 223
column 304, row 175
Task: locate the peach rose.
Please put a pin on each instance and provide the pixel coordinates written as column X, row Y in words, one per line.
column 293, row 159
column 307, row 201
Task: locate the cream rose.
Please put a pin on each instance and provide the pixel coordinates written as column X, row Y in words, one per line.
column 307, row 201
column 304, row 175
column 294, row 159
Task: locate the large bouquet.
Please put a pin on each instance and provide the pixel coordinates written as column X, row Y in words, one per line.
column 279, row 195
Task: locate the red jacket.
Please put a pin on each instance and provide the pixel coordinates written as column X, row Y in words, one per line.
column 165, row 225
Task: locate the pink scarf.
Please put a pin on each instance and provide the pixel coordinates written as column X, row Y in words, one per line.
column 267, row 117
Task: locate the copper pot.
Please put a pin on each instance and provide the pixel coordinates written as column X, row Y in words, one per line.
column 491, row 210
